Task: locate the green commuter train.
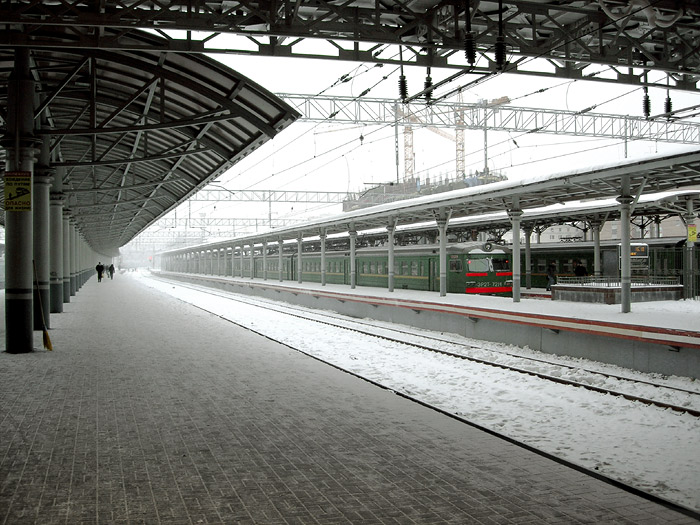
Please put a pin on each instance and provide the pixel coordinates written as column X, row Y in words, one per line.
column 665, row 259
column 474, row 268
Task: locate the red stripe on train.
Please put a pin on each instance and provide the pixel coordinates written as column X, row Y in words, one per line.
column 490, row 289
column 504, row 274
column 477, row 274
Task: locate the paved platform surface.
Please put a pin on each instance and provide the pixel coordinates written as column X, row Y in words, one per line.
column 152, row 411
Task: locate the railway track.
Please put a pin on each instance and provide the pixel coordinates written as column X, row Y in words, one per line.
column 528, row 365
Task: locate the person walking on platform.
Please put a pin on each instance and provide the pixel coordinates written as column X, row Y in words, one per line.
column 100, row 270
column 111, row 271
column 551, row 276
column 579, row 269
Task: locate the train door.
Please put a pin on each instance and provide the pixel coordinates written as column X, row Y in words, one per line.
column 346, row 270
column 433, row 274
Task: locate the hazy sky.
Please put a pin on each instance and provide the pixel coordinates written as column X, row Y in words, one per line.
column 336, row 157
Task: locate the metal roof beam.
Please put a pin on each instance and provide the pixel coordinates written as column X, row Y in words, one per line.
column 570, row 34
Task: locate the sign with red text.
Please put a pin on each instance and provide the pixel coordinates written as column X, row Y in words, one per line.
column 18, row 191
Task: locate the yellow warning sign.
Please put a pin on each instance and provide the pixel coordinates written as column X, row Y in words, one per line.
column 692, row 233
column 18, row 191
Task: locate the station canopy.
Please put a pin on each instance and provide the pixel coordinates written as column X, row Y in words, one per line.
column 654, row 174
column 133, row 133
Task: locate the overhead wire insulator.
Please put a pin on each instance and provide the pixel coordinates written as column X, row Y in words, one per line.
column 428, row 91
column 470, row 48
column 500, row 52
column 403, row 88
column 646, row 103
column 668, row 106
column 403, row 84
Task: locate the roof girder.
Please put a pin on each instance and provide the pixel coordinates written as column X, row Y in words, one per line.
column 570, row 34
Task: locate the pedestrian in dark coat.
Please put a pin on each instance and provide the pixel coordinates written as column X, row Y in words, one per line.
column 100, row 270
column 111, row 271
column 580, row 270
column 551, row 276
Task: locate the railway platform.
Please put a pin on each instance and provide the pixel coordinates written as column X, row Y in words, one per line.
column 659, row 337
column 152, row 411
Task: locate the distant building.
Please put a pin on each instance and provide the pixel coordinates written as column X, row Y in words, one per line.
column 415, row 187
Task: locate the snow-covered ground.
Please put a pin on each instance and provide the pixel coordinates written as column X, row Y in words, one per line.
column 653, row 449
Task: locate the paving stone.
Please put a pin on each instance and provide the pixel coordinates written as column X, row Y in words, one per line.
column 152, row 411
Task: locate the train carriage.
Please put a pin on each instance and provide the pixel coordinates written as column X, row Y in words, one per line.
column 474, row 268
column 666, row 259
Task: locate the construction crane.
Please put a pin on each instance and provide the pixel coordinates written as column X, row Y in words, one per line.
column 405, row 114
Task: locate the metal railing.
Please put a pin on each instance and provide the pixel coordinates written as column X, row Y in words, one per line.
column 614, row 282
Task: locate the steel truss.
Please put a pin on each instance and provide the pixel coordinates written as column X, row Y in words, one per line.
column 327, row 197
column 492, row 117
column 212, row 222
column 573, row 38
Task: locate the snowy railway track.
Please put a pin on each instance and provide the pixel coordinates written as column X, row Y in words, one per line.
column 528, row 365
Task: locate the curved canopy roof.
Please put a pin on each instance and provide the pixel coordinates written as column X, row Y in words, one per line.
column 133, row 133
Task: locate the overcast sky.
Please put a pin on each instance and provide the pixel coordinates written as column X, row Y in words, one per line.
column 337, row 157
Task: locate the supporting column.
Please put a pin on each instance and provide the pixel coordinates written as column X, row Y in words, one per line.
column 596, row 225
column 73, row 258
column 264, row 260
column 625, row 200
column 442, row 236
column 41, row 186
column 66, row 256
column 515, row 213
column 323, row 257
column 56, row 245
column 252, row 260
column 280, row 259
column 689, row 290
column 299, row 272
column 353, row 259
column 390, row 263
column 528, row 258
column 19, row 167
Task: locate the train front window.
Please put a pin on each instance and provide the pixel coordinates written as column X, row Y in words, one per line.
column 500, row 265
column 479, row 265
